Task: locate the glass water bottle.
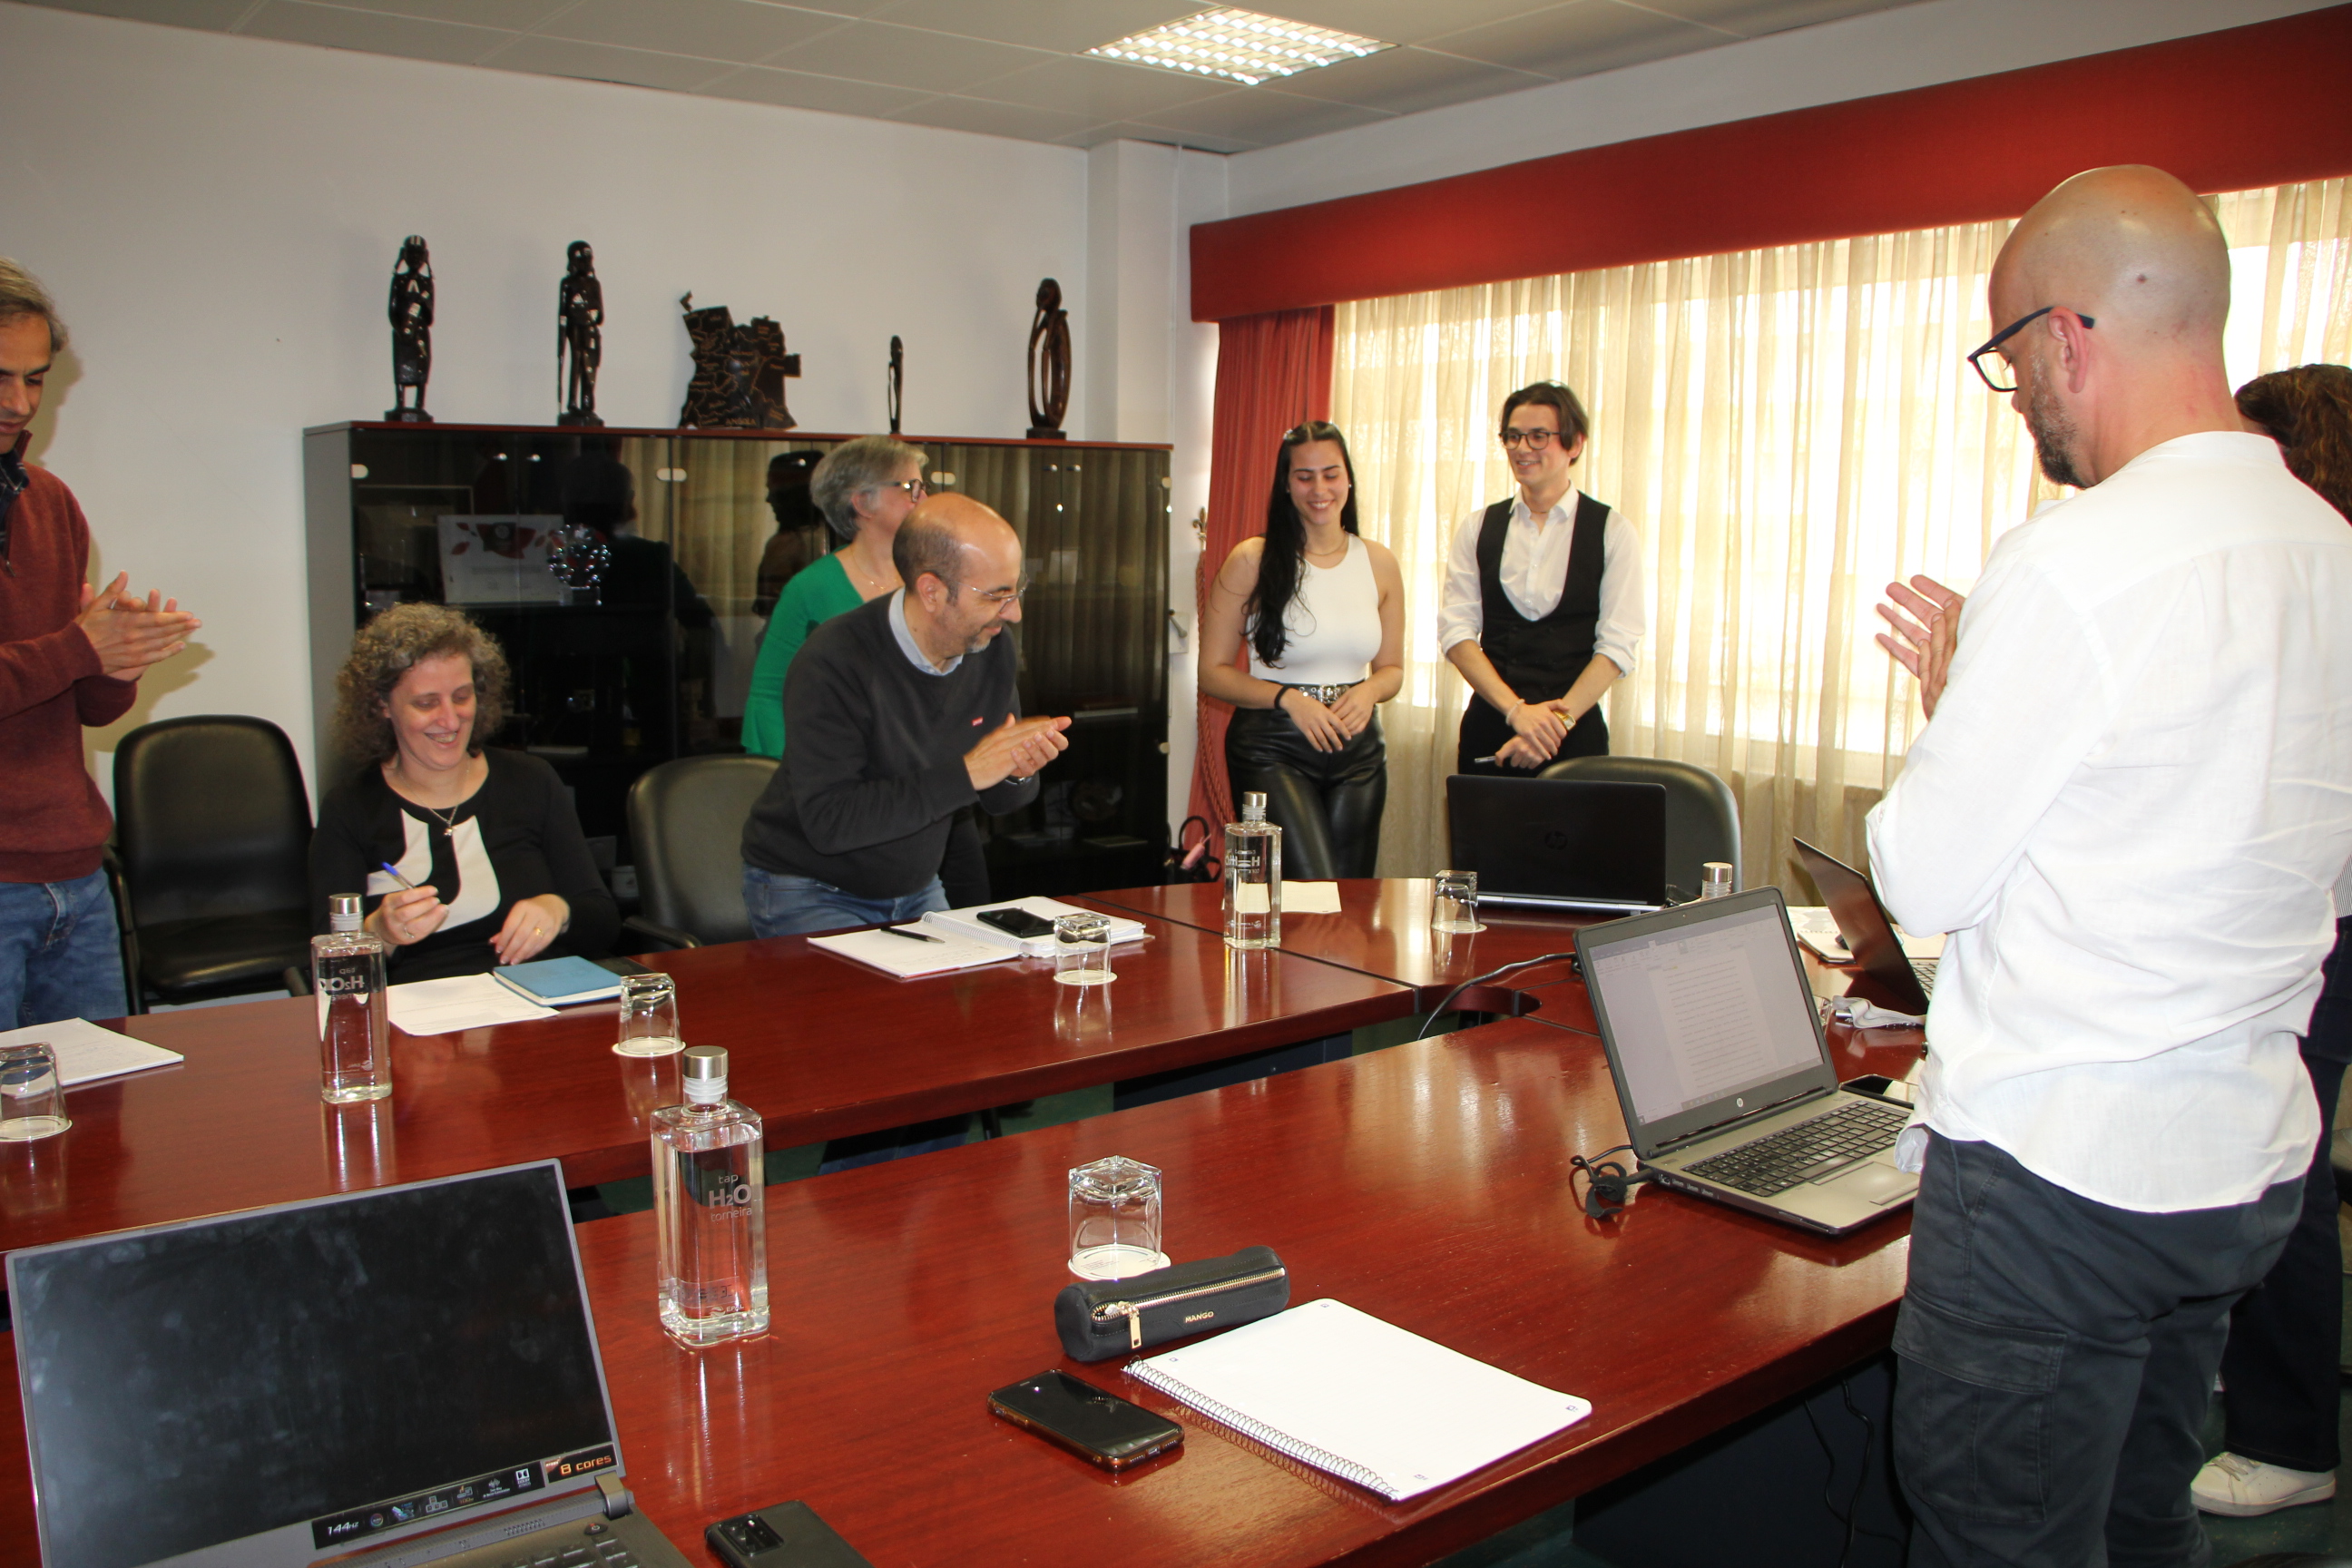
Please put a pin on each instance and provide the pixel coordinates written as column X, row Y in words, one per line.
column 1253, row 877
column 709, row 1210
column 354, row 1014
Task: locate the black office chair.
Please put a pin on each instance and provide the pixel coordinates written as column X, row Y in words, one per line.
column 686, row 819
column 210, row 864
column 2295, row 1560
column 1702, row 817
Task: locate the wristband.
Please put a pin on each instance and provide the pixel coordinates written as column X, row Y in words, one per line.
column 1512, row 713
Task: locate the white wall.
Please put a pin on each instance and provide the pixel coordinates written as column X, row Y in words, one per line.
column 218, row 218
column 1886, row 51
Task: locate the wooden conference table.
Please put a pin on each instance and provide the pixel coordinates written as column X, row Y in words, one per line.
column 1427, row 1183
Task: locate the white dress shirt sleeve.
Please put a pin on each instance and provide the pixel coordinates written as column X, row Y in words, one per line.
column 1624, row 599
column 1460, row 614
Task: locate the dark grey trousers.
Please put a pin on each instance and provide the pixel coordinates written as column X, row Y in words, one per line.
column 2055, row 1360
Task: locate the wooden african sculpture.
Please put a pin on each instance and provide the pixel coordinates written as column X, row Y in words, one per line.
column 1049, row 364
column 579, row 335
column 897, row 386
column 739, row 371
column 411, row 313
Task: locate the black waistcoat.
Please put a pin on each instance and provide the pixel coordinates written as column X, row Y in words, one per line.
column 1541, row 659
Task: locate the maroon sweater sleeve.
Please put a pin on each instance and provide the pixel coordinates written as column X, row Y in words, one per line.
column 50, row 685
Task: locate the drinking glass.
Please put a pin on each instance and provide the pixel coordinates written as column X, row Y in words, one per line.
column 32, row 1095
column 1082, row 950
column 1453, row 903
column 648, row 1016
column 1115, row 1219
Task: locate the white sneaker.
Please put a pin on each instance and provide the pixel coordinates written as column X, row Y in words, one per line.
column 2242, row 1487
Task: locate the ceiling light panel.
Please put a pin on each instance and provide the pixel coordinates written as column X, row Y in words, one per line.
column 1239, row 45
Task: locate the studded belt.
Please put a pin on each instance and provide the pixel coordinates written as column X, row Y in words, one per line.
column 1327, row 695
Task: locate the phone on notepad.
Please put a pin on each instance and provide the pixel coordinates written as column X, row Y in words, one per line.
column 789, row 1535
column 1099, row 1427
column 1014, row 921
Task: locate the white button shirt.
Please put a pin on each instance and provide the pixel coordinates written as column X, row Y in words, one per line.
column 1534, row 570
column 2129, row 811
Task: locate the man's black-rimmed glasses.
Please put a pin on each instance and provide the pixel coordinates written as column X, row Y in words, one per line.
column 1976, row 359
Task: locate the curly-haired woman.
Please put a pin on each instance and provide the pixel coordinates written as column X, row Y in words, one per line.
column 501, row 872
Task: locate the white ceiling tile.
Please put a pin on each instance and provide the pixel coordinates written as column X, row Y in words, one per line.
column 1017, row 120
column 1200, row 140
column 1263, row 114
column 905, row 57
column 603, row 62
column 373, row 31
column 798, row 90
column 1401, row 21
column 1100, row 89
column 1066, row 27
column 517, row 16
column 735, row 30
column 204, row 15
column 1581, row 39
column 1754, row 18
column 1407, row 80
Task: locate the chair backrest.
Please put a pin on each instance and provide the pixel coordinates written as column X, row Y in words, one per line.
column 1702, row 817
column 211, row 819
column 686, row 819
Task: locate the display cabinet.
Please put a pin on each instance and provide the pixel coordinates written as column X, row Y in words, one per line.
column 627, row 572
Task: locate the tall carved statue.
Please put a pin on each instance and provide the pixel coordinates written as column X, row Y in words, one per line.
column 1049, row 364
column 411, row 313
column 579, row 336
column 897, row 379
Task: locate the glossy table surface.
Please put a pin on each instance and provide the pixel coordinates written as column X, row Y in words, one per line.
column 1382, row 928
column 1426, row 1183
column 820, row 1045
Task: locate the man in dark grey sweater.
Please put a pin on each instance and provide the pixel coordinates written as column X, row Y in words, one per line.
column 898, row 714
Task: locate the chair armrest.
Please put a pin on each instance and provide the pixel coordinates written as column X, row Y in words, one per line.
column 297, row 984
column 668, row 936
column 135, row 989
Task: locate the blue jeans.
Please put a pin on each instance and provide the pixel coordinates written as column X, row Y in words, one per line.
column 781, row 905
column 61, row 953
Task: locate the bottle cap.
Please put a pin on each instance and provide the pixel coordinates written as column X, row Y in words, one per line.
column 1716, row 879
column 1253, row 807
column 342, row 912
column 703, row 1071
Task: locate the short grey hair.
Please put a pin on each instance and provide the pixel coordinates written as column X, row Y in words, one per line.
column 851, row 469
column 21, row 295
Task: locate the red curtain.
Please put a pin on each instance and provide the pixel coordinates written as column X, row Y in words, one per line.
column 1272, row 371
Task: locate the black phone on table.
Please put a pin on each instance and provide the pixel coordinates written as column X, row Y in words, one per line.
column 1099, row 1427
column 1014, row 921
column 789, row 1535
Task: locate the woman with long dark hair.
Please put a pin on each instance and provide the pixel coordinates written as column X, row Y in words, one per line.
column 1323, row 611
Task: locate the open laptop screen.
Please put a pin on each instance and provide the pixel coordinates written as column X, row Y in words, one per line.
column 305, row 1379
column 1703, row 1005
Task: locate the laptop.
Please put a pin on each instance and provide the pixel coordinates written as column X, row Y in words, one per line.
column 1901, row 982
column 1726, row 1081
column 409, row 1373
column 1560, row 844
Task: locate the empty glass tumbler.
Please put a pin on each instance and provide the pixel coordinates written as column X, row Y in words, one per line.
column 1082, row 950
column 648, row 1016
column 1453, row 902
column 1115, row 1219
column 32, row 1095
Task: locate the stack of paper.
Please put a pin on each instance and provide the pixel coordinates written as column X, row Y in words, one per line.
column 967, row 923
column 87, row 1053
column 931, row 950
column 460, row 1002
column 1364, row 1400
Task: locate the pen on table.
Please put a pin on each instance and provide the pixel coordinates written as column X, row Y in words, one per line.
column 912, row 935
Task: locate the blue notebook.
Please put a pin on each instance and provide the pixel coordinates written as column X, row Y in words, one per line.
column 561, row 982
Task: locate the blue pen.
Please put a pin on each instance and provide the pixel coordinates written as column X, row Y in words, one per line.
column 394, row 872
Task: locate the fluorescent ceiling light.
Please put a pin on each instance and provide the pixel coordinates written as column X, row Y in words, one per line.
column 1239, row 45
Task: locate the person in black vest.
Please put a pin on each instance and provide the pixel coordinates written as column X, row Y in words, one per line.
column 1543, row 599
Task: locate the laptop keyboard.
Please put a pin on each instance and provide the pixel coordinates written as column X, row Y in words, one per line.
column 600, row 1554
column 1846, row 1136
column 1925, row 968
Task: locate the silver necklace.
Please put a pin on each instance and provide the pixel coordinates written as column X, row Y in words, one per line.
column 449, row 823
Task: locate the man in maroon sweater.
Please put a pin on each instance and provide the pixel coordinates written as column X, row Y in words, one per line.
column 68, row 656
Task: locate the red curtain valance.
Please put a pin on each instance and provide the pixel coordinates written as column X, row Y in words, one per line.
column 2252, row 106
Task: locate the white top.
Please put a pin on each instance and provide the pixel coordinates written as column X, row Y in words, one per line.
column 2128, row 812
column 1535, row 574
column 1334, row 625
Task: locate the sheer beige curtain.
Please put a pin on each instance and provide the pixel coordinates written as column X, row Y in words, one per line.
column 1789, row 428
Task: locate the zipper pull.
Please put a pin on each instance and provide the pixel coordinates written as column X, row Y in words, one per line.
column 1134, row 1325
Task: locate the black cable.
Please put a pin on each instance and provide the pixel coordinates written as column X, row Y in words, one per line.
column 1608, row 1185
column 1555, row 1024
column 1438, row 1011
column 1852, row 1518
column 1869, row 1448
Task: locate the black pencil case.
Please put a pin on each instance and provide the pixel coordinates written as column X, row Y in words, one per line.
column 1098, row 1318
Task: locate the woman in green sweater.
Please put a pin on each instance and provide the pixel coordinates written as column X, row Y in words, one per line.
column 865, row 488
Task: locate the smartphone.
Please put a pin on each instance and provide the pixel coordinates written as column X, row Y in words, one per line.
column 789, row 1535
column 624, row 967
column 1100, row 1427
column 1893, row 1091
column 1014, row 921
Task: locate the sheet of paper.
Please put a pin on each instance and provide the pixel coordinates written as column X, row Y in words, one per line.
column 909, row 960
column 87, row 1053
column 460, row 1002
column 1310, row 898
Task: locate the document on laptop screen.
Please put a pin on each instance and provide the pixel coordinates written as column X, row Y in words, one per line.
column 1704, row 1013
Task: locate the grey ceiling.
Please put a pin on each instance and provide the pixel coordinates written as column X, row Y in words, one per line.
column 1012, row 68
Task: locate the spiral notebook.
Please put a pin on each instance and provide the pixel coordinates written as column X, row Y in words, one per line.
column 1361, row 1398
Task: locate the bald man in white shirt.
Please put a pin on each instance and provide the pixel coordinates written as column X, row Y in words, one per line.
column 2129, row 808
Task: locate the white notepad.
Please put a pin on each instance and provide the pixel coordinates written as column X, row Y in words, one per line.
column 458, row 1002
column 1364, row 1399
column 87, row 1053
column 940, row 952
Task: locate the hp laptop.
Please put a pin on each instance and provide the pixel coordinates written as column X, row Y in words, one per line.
column 409, row 1373
column 1726, row 1081
column 1560, row 844
column 1899, row 981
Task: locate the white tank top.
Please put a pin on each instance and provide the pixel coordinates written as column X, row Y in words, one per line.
column 1334, row 624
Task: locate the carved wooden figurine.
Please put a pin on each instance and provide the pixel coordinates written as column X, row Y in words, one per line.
column 739, row 371
column 1049, row 364
column 897, row 379
column 579, row 335
column 411, row 313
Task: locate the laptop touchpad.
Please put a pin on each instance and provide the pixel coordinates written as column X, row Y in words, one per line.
column 1876, row 1184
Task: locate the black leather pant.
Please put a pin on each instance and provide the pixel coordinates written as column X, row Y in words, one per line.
column 1328, row 804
